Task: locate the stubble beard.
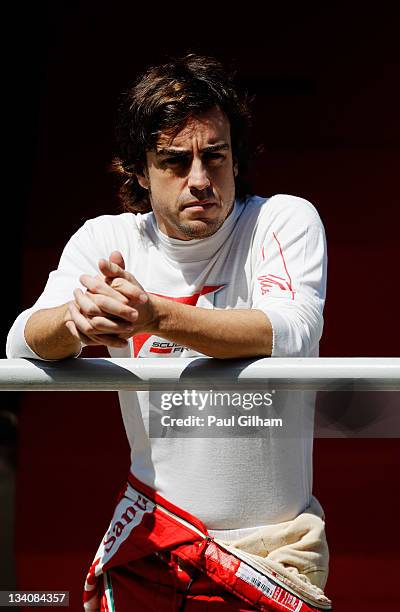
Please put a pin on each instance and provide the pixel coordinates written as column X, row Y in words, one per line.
column 202, row 229
column 198, row 229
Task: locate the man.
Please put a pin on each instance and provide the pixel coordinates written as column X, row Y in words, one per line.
column 255, row 270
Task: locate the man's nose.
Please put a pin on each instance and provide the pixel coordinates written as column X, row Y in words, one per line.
column 198, row 177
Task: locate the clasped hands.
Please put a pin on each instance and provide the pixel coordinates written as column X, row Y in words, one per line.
column 114, row 307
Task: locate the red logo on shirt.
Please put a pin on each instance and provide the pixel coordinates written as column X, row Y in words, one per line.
column 169, row 347
column 268, row 281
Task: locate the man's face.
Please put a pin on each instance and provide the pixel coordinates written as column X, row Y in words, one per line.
column 190, row 177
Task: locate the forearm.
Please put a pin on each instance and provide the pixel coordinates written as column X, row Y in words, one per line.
column 47, row 334
column 217, row 333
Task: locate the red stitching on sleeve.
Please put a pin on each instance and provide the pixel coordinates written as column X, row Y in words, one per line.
column 284, row 263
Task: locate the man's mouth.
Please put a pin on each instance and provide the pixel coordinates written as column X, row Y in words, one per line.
column 199, row 205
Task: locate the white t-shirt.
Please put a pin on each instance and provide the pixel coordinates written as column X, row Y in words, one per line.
column 270, row 255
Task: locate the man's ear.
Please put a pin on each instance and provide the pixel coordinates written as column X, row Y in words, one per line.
column 235, row 167
column 143, row 179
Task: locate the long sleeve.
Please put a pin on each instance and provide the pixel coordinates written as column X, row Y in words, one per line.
column 290, row 266
column 79, row 256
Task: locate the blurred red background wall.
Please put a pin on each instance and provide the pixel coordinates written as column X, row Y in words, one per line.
column 326, row 108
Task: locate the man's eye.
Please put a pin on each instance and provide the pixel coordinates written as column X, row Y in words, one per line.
column 174, row 161
column 214, row 157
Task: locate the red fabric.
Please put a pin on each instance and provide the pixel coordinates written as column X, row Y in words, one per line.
column 152, row 584
column 152, row 551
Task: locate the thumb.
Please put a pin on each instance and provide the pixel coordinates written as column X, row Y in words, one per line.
column 113, row 267
column 116, row 257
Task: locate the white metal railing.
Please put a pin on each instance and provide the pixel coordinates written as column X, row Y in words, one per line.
column 105, row 374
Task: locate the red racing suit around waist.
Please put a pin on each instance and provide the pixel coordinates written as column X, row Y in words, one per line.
column 145, row 525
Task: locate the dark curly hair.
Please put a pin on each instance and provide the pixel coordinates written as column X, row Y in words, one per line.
column 164, row 98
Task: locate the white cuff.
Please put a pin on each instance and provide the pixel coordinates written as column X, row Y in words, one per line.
column 286, row 339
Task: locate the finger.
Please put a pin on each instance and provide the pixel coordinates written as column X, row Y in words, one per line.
column 86, row 304
column 82, row 324
column 83, row 329
column 111, row 340
column 108, row 326
column 104, row 340
column 108, row 268
column 106, row 279
column 134, row 293
column 116, row 257
column 70, row 325
column 97, row 285
column 105, row 306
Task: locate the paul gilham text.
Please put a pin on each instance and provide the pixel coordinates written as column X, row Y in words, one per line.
column 245, row 420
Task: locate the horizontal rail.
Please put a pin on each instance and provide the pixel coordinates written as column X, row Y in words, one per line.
column 105, row 374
